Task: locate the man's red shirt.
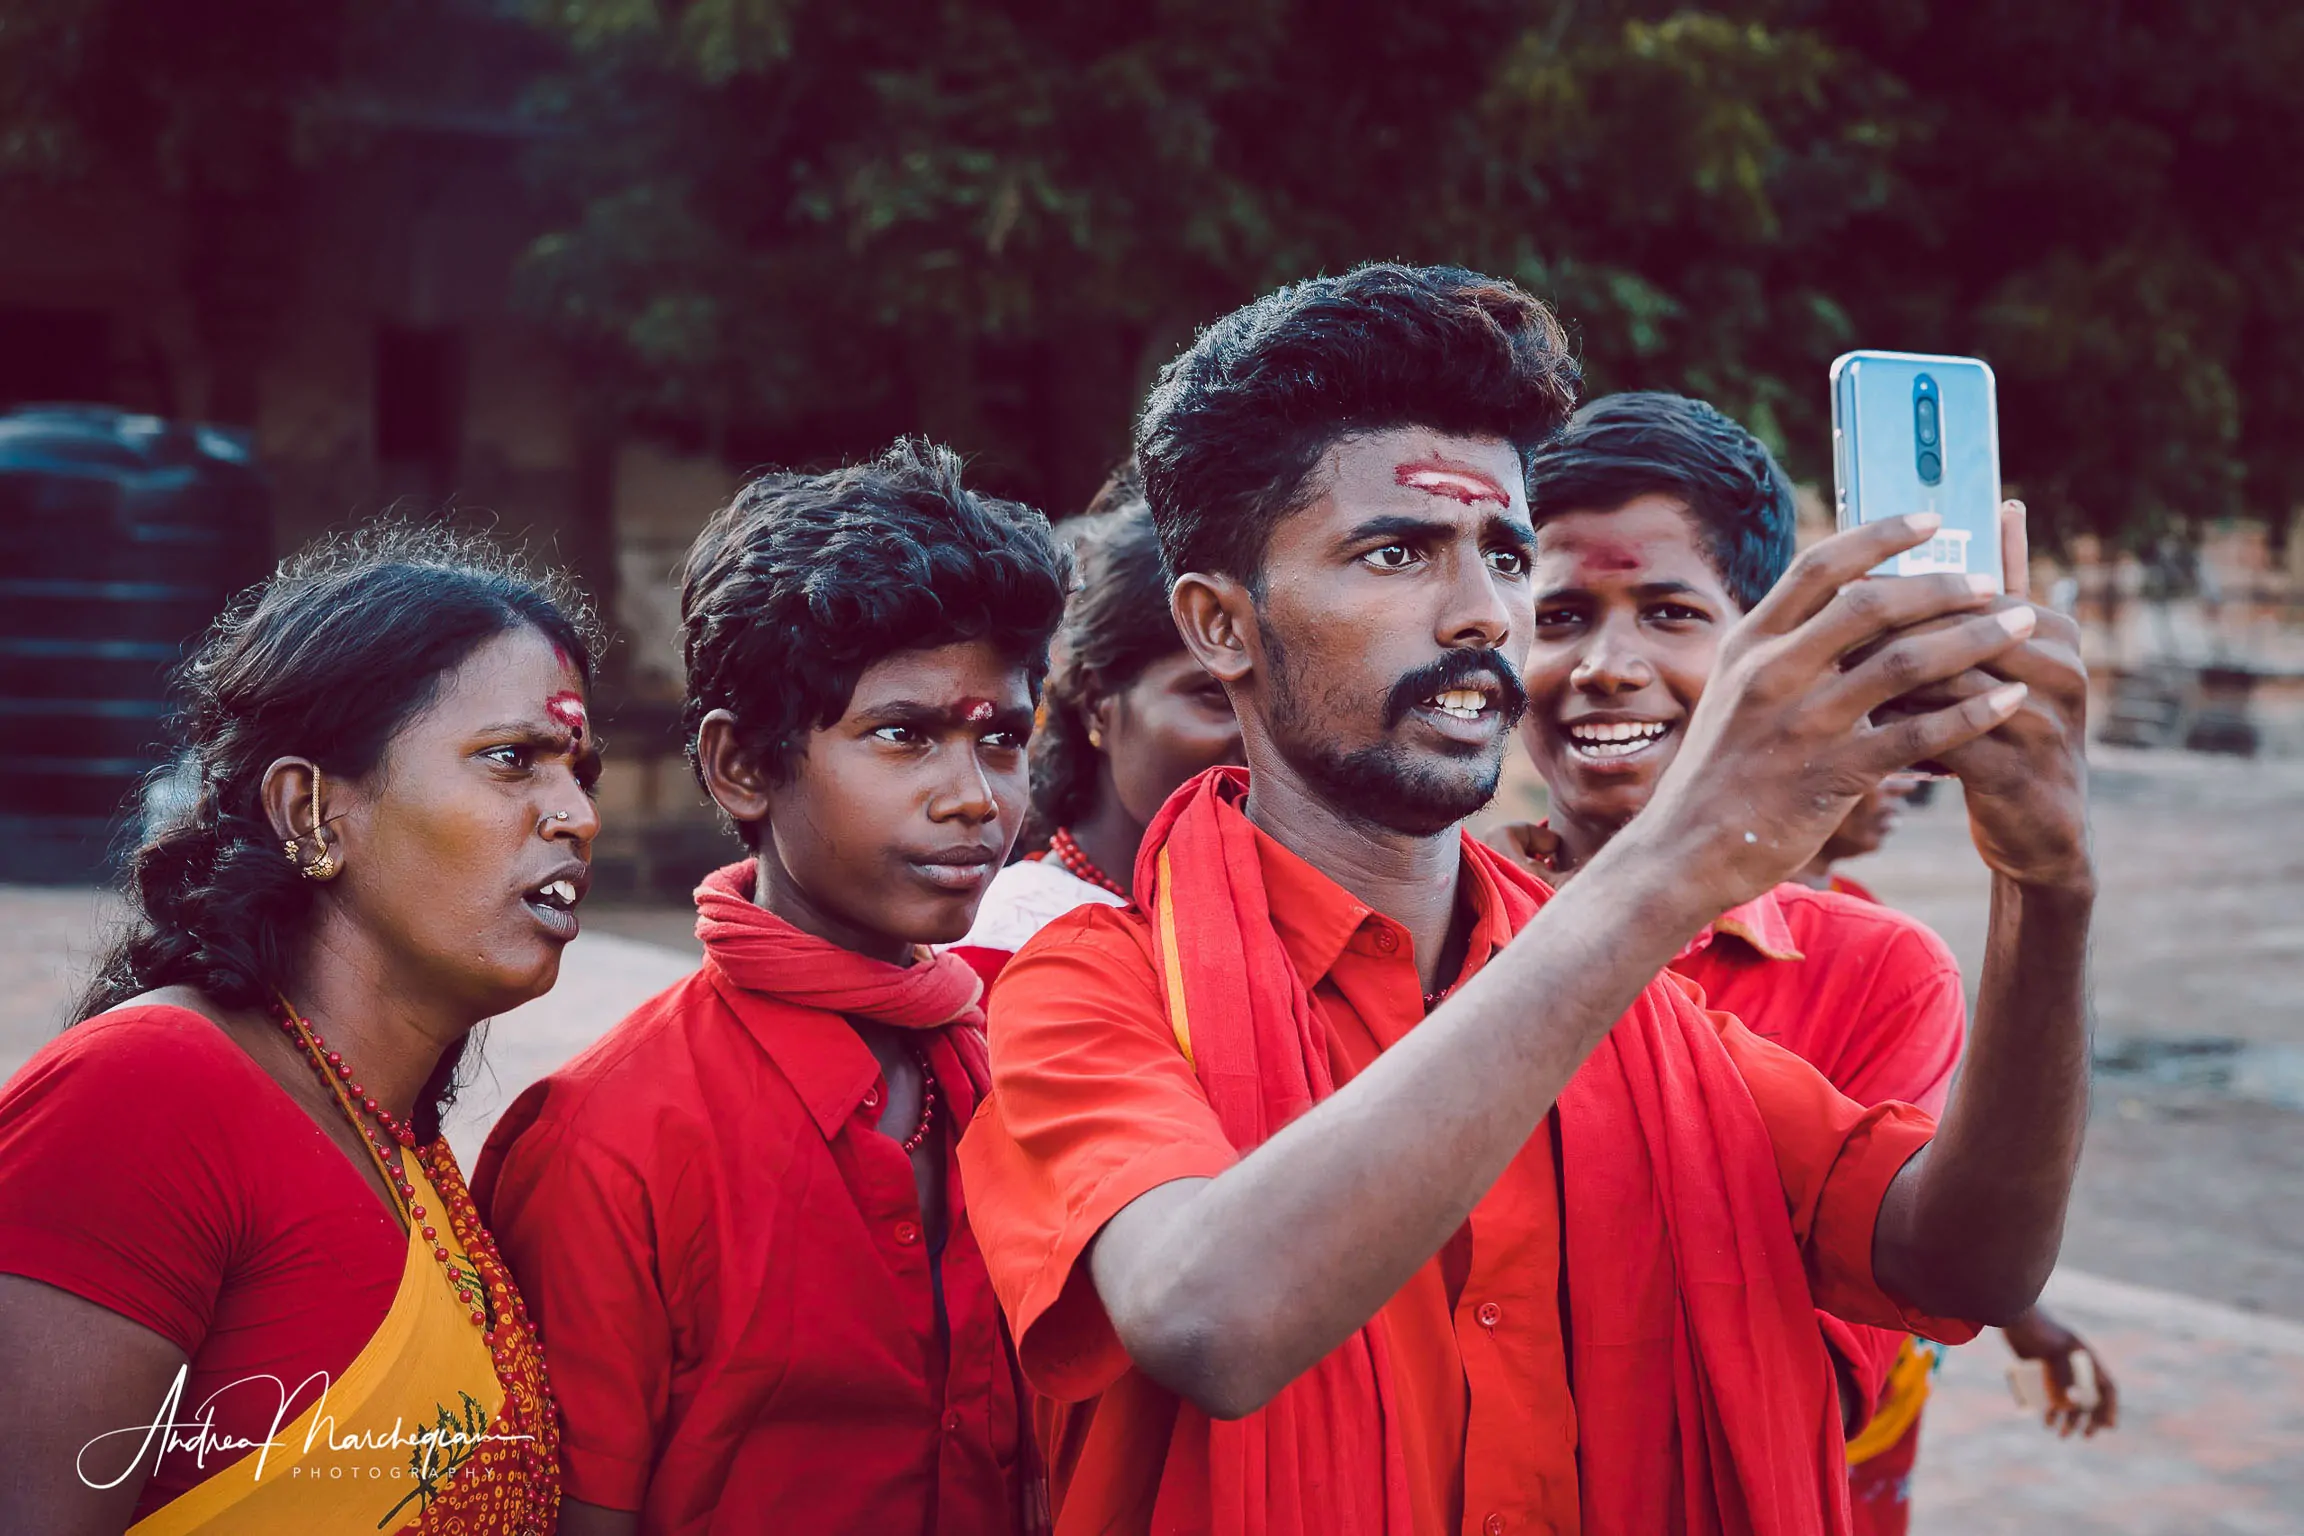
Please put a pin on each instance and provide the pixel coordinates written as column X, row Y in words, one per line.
column 727, row 1264
column 1867, row 995
column 1094, row 1105
column 1872, row 998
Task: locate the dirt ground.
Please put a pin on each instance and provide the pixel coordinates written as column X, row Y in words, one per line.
column 2193, row 1177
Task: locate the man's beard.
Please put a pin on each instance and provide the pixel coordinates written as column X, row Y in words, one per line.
column 1387, row 783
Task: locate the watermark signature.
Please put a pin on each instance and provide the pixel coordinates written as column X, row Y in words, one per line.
column 433, row 1451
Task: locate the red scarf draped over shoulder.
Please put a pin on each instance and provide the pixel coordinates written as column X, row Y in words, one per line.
column 761, row 952
column 1704, row 1401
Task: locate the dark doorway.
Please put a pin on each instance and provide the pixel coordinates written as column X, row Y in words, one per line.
column 55, row 356
column 420, row 402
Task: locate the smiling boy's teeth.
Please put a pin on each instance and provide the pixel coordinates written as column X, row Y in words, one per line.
column 1615, row 738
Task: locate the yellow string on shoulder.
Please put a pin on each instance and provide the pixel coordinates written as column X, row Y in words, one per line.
column 1172, row 968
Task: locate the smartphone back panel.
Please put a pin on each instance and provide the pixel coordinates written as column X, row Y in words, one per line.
column 1919, row 433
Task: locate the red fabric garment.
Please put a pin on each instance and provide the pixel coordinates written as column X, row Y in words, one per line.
column 1867, row 995
column 1263, row 1060
column 1094, row 1105
column 727, row 1261
column 148, row 1165
column 1694, row 1337
column 1881, row 1489
column 761, row 952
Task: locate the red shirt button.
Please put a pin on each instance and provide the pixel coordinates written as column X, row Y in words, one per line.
column 952, row 1422
column 872, row 1098
column 1494, row 1525
column 907, row 1233
column 1490, row 1315
column 1385, row 941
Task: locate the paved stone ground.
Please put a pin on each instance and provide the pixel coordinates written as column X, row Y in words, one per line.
column 2185, row 1254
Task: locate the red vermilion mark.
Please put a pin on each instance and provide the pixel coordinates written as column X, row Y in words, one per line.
column 1605, row 555
column 976, row 711
column 1467, row 486
column 567, row 709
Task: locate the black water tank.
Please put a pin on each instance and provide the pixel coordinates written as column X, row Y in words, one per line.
column 121, row 538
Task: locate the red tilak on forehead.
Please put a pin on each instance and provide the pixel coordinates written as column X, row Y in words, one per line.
column 976, row 711
column 1607, row 555
column 1467, row 486
column 567, row 709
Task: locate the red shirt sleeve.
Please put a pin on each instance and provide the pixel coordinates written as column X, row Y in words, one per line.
column 573, row 1220
column 1836, row 1159
column 1092, row 1105
column 115, row 1175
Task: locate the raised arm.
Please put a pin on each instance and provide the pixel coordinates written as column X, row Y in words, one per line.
column 1371, row 1182
column 1971, row 1227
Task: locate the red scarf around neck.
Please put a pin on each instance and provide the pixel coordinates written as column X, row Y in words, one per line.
column 1704, row 1401
column 761, row 952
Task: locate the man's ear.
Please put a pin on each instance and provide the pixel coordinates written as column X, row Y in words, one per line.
column 738, row 783
column 1216, row 615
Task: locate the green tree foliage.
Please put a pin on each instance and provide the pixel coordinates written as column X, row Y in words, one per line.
column 808, row 223
column 792, row 228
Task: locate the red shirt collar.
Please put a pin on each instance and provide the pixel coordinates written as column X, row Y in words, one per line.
column 826, row 1062
column 1318, row 920
column 1759, row 923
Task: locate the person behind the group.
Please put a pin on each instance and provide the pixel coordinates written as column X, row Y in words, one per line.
column 1865, row 829
column 1660, row 523
column 736, row 1214
column 228, row 1219
column 1296, row 1182
column 1126, row 715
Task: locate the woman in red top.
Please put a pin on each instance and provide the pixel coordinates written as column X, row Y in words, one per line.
column 242, row 1288
column 1125, row 716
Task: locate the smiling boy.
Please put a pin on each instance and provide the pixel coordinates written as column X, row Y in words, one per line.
column 1659, row 524
column 738, row 1215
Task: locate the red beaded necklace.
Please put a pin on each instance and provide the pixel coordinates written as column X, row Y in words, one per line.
column 489, row 1282
column 1079, row 865
column 510, row 1483
column 919, row 1137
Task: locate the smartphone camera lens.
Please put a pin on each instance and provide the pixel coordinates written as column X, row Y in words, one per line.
column 1927, row 431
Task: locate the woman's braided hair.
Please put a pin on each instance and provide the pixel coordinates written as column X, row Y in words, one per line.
column 327, row 660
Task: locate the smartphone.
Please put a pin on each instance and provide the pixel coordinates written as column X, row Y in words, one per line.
column 1912, row 432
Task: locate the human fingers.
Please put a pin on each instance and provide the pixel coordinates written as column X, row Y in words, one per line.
column 2015, row 550
column 1865, row 616
column 1916, row 660
column 2106, row 1414
column 1902, row 740
column 1819, row 572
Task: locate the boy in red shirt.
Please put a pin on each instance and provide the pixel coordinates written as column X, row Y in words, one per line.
column 737, row 1216
column 1660, row 522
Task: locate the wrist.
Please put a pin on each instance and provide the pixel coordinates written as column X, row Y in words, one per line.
column 2066, row 889
column 1670, row 884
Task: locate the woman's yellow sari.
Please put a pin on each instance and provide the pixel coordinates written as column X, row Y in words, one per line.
column 423, row 1431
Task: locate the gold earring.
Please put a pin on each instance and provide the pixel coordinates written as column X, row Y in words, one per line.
column 327, row 864
column 1096, row 738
